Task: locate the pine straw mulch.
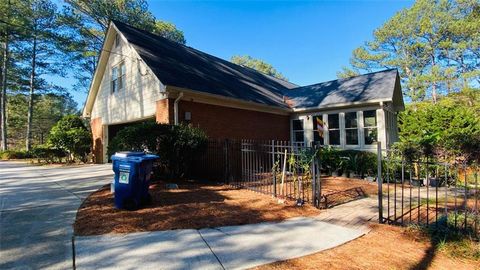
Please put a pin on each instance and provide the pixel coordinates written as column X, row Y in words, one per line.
column 193, row 205
column 385, row 247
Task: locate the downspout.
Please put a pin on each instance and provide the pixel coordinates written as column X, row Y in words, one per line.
column 175, row 108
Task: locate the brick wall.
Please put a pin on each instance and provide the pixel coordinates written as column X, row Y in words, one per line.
column 97, row 134
column 223, row 122
column 164, row 111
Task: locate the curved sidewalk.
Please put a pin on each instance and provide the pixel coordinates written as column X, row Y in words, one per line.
column 231, row 247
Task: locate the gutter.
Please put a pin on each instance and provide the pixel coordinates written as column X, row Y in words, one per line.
column 175, row 108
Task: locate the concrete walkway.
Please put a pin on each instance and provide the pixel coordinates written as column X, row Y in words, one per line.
column 232, row 247
column 38, row 205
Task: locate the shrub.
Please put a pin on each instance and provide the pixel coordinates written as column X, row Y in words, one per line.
column 177, row 146
column 13, row 154
column 361, row 163
column 48, row 154
column 329, row 159
column 137, row 137
column 71, row 136
column 449, row 128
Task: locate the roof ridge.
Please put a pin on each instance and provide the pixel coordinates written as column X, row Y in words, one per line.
column 344, row 79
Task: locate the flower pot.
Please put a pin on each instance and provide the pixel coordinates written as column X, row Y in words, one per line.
column 436, row 182
column 416, row 182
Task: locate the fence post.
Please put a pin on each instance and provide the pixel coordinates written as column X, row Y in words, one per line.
column 318, row 182
column 379, row 182
column 274, row 172
column 225, row 153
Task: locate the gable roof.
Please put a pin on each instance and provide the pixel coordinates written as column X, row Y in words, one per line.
column 367, row 88
column 184, row 67
column 181, row 66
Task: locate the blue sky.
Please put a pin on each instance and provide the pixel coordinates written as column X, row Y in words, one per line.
column 306, row 41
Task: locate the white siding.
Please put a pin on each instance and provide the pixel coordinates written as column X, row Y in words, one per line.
column 137, row 99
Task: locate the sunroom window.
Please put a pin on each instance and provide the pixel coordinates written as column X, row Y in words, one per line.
column 297, row 126
column 351, row 128
column 370, row 126
column 318, row 129
column 334, row 129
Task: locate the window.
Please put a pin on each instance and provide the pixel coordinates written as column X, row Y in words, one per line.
column 118, row 77
column 114, row 79
column 117, row 40
column 318, row 129
column 370, row 126
column 334, row 129
column 351, row 128
column 297, row 130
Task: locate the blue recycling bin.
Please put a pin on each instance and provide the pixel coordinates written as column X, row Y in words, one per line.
column 132, row 179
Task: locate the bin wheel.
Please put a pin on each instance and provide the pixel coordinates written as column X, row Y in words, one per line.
column 130, row 204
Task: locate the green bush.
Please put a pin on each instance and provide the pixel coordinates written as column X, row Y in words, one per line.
column 71, row 136
column 361, row 163
column 329, row 159
column 14, row 154
column 449, row 128
column 142, row 136
column 177, row 146
column 48, row 154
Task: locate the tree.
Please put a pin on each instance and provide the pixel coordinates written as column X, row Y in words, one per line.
column 42, row 51
column 434, row 44
column 91, row 19
column 5, row 7
column 71, row 136
column 48, row 110
column 257, row 64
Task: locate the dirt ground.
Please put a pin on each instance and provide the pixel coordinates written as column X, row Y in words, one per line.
column 192, row 205
column 385, row 247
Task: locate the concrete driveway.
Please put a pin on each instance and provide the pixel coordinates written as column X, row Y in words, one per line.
column 37, row 208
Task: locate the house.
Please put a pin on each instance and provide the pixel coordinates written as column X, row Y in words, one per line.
column 144, row 76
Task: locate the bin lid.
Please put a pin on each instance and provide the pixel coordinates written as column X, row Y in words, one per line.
column 129, row 154
column 133, row 156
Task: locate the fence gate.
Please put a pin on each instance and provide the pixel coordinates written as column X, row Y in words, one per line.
column 277, row 168
column 428, row 192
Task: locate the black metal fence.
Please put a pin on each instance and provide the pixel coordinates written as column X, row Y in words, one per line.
column 429, row 192
column 277, row 168
column 421, row 191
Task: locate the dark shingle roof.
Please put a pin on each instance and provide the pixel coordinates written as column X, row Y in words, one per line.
column 181, row 66
column 363, row 88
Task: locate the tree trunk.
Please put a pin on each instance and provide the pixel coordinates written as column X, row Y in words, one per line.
column 28, row 143
column 3, row 95
column 434, row 93
column 434, row 83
